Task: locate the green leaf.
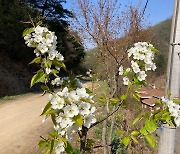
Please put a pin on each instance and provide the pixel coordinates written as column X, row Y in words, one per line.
column 135, row 139
column 36, row 60
column 126, row 141
column 40, row 76
column 47, row 107
column 154, row 50
column 123, row 96
column 136, row 96
column 102, row 99
column 120, row 132
column 158, row 102
column 177, row 101
column 136, row 81
column 114, row 100
column 47, row 149
column 69, row 148
column 143, row 131
column 150, row 140
column 150, row 126
column 59, row 64
column 158, row 115
column 52, row 146
column 54, row 71
column 45, row 88
column 42, row 143
column 54, row 134
column 88, row 91
column 137, row 119
column 47, row 63
column 78, row 120
column 134, row 133
column 27, row 31
column 53, row 118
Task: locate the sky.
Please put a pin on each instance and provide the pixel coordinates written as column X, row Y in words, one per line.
column 157, row 10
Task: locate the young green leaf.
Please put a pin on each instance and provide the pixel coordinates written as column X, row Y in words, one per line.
column 134, row 139
column 52, row 146
column 78, row 120
column 134, row 133
column 150, row 126
column 69, row 148
column 88, row 91
column 102, row 100
column 136, row 96
column 28, row 31
column 36, row 60
column 40, row 76
column 45, row 88
column 42, row 143
column 150, row 140
column 137, row 119
column 47, row 107
column 126, row 141
column 59, row 64
column 114, row 100
column 53, row 118
column 143, row 131
column 123, row 96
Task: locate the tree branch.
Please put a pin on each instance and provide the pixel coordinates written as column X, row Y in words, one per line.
column 107, row 115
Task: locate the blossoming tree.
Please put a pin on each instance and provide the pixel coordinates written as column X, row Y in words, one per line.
column 72, row 108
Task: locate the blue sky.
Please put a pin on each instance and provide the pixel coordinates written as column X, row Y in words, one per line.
column 157, row 10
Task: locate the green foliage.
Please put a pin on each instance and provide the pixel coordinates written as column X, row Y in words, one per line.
column 27, row 31
column 78, row 120
column 150, row 140
column 137, row 119
column 36, row 60
column 126, row 141
column 150, row 126
column 46, row 109
column 39, row 77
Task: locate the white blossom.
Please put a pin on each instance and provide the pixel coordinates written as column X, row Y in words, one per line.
column 142, row 75
column 60, row 147
column 121, row 70
column 84, row 108
column 125, row 80
column 71, row 110
column 174, row 109
column 81, row 92
column 88, row 120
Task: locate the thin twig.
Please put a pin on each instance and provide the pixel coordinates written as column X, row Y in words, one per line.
column 43, row 138
column 107, row 115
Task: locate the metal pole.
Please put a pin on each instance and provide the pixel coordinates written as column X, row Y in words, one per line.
column 167, row 136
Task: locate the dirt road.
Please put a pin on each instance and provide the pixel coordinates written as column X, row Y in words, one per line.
column 20, row 124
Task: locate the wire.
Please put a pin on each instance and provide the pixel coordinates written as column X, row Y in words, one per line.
column 145, row 8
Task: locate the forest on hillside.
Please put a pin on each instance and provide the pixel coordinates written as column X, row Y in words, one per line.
column 15, row 73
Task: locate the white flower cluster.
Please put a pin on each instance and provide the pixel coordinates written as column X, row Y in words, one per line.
column 60, row 147
column 44, row 41
column 142, row 58
column 174, row 110
column 72, row 105
column 57, row 81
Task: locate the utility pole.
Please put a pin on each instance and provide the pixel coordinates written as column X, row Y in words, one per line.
column 167, row 136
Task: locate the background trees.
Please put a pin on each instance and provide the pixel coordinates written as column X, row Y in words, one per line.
column 14, row 71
